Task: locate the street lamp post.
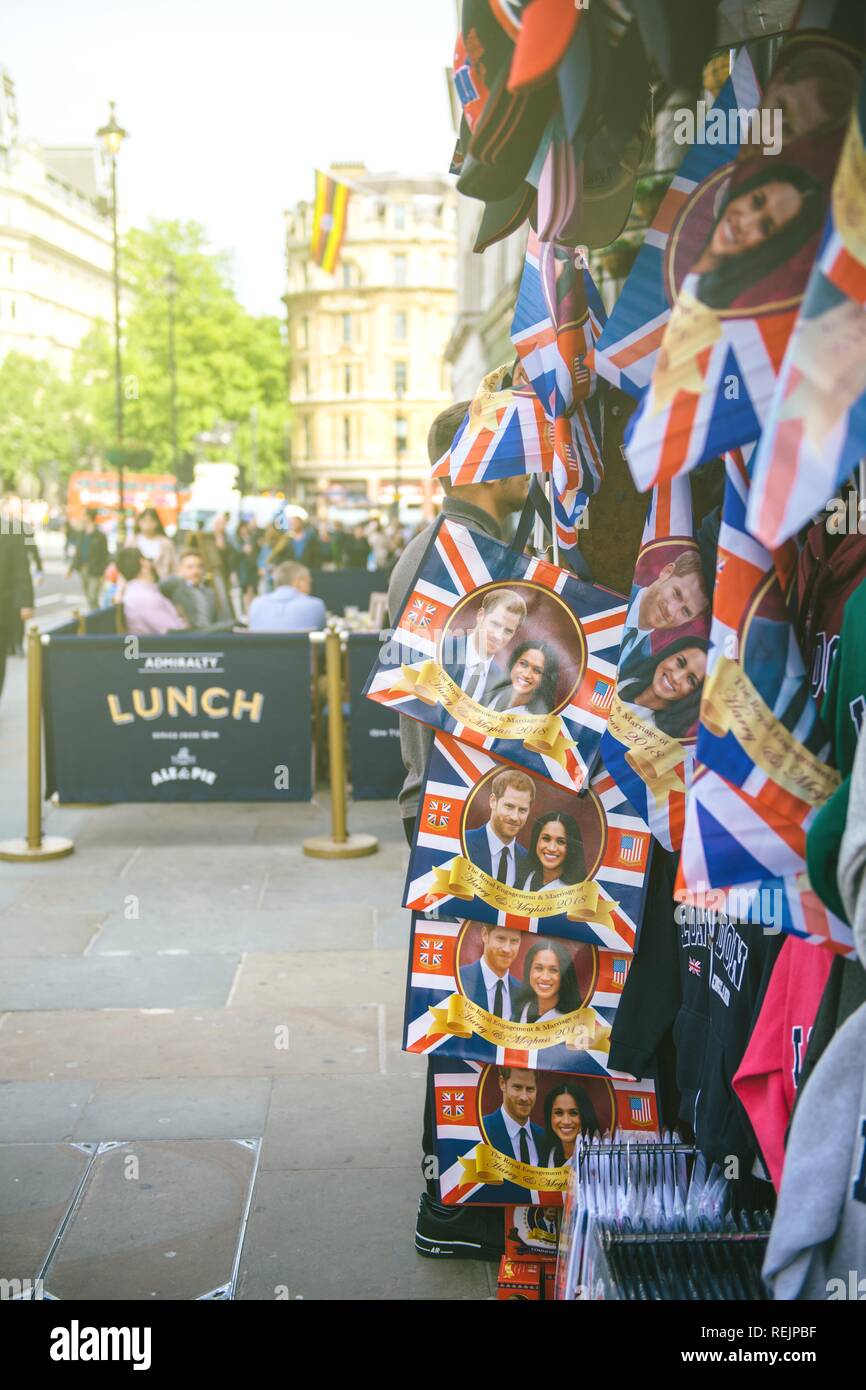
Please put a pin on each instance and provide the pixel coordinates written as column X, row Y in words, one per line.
column 112, row 136
column 172, row 285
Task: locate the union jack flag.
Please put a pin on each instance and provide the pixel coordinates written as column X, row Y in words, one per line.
column 421, row 614
column 438, row 812
column 694, row 966
column 722, row 352
column 816, row 432
column 453, row 1103
column 656, row 784
column 747, row 819
column 430, row 952
column 620, row 971
column 628, row 346
column 505, row 433
column 558, row 318
column 640, row 1109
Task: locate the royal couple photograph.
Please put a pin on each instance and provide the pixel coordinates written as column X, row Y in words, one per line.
column 569, row 1114
column 494, row 668
column 553, row 855
column 662, row 669
column 548, row 988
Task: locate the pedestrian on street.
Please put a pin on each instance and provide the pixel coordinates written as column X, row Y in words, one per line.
column 90, row 558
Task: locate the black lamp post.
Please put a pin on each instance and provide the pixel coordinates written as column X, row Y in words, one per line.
column 112, row 136
column 172, row 284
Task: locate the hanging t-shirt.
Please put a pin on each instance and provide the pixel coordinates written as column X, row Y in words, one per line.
column 769, row 1074
column 829, row 569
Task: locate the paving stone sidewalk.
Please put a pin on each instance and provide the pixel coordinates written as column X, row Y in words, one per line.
column 148, row 985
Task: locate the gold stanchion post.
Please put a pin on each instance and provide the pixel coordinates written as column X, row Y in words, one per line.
column 36, row 845
column 339, row 844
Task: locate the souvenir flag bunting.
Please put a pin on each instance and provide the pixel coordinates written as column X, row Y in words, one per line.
column 628, row 347
column 505, row 433
column 557, row 320
column 761, row 772
column 817, row 429
column 746, row 242
column 330, row 209
column 648, row 745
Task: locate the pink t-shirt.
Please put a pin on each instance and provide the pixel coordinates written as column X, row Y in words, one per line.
column 149, row 613
column 769, row 1074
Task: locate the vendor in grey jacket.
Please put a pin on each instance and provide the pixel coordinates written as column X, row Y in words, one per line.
column 483, row 507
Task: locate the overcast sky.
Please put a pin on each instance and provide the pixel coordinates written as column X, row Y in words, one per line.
column 231, row 104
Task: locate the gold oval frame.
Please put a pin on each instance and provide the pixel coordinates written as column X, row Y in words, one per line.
column 489, row 1066
column 587, row 795
column 534, row 936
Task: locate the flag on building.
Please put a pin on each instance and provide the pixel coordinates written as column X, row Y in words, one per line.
column 816, row 433
column 329, row 221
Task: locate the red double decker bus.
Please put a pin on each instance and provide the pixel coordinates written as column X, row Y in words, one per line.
column 88, row 488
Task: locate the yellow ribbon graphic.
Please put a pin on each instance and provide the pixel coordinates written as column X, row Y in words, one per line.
column 580, row 902
column 732, row 705
column 655, row 757
column 583, row 1030
column 488, row 1165
column 541, row 733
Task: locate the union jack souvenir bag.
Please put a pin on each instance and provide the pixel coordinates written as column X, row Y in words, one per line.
column 509, row 653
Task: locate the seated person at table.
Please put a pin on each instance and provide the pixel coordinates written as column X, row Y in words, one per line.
column 510, row 1128
column 290, row 607
column 556, row 858
column 488, row 982
column 471, row 662
column 146, row 612
column 533, row 675
column 549, row 987
column 189, row 593
column 493, row 847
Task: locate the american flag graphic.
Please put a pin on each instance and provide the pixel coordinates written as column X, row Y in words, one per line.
column 630, row 849
column 602, row 694
column 816, row 432
column 430, row 952
column 640, row 1109
column 694, row 966
column 620, row 971
column 669, row 517
column 453, row 1103
column 438, row 812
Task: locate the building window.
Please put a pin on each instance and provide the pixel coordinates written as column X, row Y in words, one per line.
column 347, row 328
column 305, row 332
column 308, row 438
column 347, row 380
column 347, row 434
column 400, row 328
column 306, row 378
column 401, row 378
column 400, row 271
column 400, row 217
column 401, row 433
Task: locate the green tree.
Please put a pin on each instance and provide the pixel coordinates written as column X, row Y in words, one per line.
column 228, row 362
column 38, row 425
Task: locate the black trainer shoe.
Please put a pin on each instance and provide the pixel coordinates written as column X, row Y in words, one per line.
column 458, row 1233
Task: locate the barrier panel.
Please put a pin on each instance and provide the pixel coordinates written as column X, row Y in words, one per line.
column 374, row 730
column 196, row 717
column 341, row 589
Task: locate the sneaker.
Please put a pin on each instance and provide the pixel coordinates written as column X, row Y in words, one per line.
column 458, row 1233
